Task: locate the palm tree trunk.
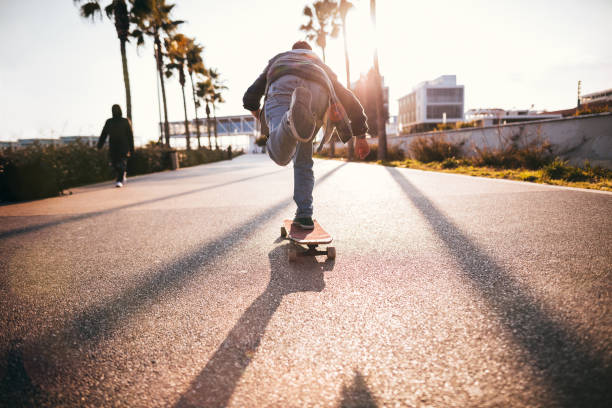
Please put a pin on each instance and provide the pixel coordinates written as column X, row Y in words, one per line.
column 351, row 143
column 208, row 125
column 215, row 122
column 380, row 114
column 158, row 58
column 187, row 135
column 195, row 106
column 126, row 80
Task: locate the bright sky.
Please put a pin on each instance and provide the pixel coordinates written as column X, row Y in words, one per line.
column 60, row 74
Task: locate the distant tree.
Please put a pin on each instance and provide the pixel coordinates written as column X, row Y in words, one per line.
column 154, row 21
column 343, row 8
column 117, row 10
column 216, row 95
column 195, row 66
column 381, row 116
column 203, row 91
column 321, row 22
column 176, row 49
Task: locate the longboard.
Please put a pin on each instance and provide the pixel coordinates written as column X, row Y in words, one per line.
column 310, row 238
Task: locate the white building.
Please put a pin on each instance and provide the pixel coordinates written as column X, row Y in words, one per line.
column 490, row 117
column 599, row 97
column 430, row 103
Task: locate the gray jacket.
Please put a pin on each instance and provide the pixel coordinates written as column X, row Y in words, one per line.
column 345, row 113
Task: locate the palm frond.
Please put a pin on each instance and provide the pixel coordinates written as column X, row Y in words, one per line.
column 110, row 9
column 90, row 9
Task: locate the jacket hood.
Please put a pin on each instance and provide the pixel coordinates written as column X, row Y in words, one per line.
column 116, row 109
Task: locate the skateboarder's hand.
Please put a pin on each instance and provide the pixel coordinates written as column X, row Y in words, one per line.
column 362, row 148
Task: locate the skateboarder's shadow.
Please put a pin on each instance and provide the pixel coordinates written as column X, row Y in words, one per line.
column 215, row 384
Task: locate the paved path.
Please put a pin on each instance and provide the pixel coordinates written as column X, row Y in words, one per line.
column 176, row 291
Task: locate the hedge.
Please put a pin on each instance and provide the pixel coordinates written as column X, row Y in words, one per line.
column 40, row 171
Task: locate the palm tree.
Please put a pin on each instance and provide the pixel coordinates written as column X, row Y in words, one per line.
column 117, row 10
column 195, row 65
column 321, row 22
column 215, row 95
column 176, row 48
column 343, row 8
column 153, row 22
column 203, row 91
column 382, row 133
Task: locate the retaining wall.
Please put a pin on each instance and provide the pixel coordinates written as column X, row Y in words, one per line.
column 576, row 139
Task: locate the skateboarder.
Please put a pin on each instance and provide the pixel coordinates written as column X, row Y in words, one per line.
column 301, row 95
column 121, row 142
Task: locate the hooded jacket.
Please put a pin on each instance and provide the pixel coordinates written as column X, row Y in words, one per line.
column 119, row 132
column 345, row 113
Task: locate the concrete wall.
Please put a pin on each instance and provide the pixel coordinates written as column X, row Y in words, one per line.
column 576, row 139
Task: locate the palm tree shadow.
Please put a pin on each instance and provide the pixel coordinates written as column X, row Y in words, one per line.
column 575, row 374
column 358, row 394
column 215, row 384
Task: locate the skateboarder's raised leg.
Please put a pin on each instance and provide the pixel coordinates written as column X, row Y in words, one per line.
column 282, row 142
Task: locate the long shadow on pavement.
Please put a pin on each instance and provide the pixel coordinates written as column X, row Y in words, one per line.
column 575, row 374
column 215, row 384
column 358, row 394
column 37, row 227
column 100, row 320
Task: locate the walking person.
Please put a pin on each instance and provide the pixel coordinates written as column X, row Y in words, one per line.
column 302, row 94
column 120, row 141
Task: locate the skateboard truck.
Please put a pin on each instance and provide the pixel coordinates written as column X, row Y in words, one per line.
column 305, row 242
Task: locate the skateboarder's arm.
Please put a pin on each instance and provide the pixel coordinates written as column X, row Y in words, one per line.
column 353, row 109
column 253, row 94
column 362, row 148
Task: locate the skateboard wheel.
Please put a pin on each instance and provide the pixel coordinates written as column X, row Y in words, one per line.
column 292, row 255
column 283, row 232
column 331, row 253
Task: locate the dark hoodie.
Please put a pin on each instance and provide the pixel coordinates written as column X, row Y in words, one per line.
column 119, row 130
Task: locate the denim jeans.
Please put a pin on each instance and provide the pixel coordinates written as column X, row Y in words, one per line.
column 282, row 146
column 120, row 167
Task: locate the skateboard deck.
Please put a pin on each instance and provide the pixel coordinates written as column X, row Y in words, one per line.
column 311, row 238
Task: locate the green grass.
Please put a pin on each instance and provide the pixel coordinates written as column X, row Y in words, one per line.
column 598, row 179
column 558, row 173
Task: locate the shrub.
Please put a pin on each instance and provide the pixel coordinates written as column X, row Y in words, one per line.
column 444, row 126
column 435, row 148
column 450, row 163
column 515, row 152
column 463, row 125
column 589, row 110
column 44, row 171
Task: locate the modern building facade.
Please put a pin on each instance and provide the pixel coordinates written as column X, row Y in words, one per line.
column 431, row 103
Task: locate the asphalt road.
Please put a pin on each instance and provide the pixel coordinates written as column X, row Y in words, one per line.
column 176, row 291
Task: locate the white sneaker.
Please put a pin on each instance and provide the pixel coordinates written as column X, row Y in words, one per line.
column 119, row 184
column 300, row 117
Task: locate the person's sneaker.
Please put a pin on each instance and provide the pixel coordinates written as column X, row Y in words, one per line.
column 119, row 184
column 304, row 222
column 300, row 117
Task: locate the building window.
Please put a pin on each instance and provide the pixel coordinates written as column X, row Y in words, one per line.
column 436, row 111
column 444, row 95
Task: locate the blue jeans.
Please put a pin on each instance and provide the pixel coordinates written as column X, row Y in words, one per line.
column 282, row 146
